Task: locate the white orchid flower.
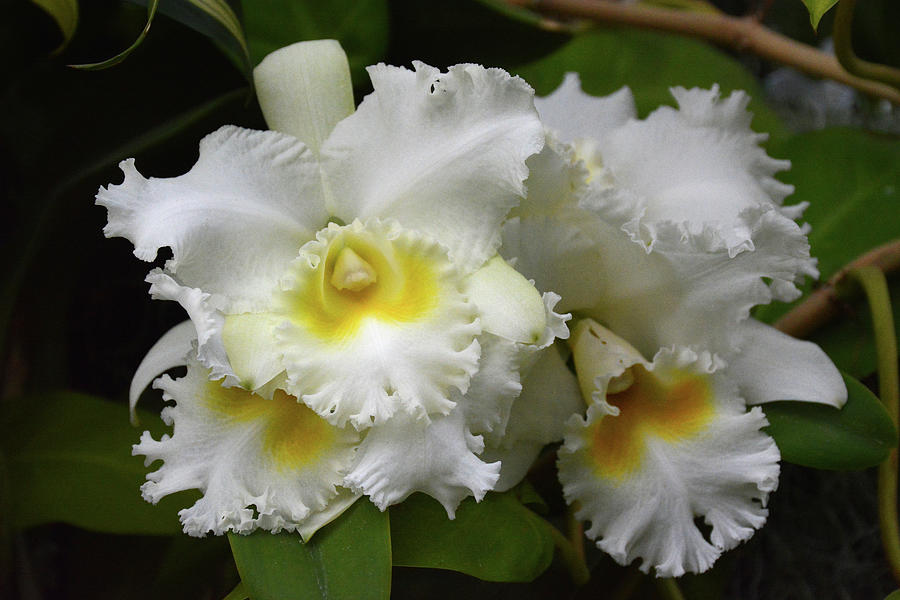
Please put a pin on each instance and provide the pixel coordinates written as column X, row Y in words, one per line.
column 666, row 233
column 347, row 260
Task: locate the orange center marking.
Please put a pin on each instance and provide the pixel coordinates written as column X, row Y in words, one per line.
column 669, row 410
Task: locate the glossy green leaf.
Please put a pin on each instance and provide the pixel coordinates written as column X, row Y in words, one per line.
column 69, row 459
column 349, row 558
column 152, row 5
column 497, row 539
column 361, row 26
column 65, row 13
column 817, row 8
column 858, row 436
column 649, row 63
column 895, row 595
column 851, row 181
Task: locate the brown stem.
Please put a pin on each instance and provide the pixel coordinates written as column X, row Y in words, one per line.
column 744, row 34
column 843, row 49
column 824, row 304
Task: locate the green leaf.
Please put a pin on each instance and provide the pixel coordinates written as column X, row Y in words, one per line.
column 110, row 62
column 361, row 26
column 497, row 539
column 851, row 181
column 65, row 13
column 895, row 595
column 858, row 436
column 238, row 593
column 349, row 558
column 817, row 8
column 649, row 63
column 69, row 459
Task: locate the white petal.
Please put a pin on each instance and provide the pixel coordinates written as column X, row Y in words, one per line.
column 304, row 89
column 693, row 172
column 641, row 477
column 251, row 346
column 508, row 304
column 171, row 350
column 442, row 153
column 234, row 221
column 549, row 397
column 574, row 114
column 493, row 389
column 208, row 322
column 515, row 462
column 269, row 464
column 405, row 456
column 335, row 508
column 773, row 366
column 402, row 345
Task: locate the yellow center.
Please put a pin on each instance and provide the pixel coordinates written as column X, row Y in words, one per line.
column 363, row 276
column 293, row 435
column 670, row 410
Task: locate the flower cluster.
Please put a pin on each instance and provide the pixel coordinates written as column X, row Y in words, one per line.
column 356, row 326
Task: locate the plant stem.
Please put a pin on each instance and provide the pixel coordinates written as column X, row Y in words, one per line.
column 824, row 304
column 843, row 49
column 874, row 284
column 571, row 557
column 744, row 34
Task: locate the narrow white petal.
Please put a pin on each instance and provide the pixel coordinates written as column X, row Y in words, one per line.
column 171, row 350
column 270, row 464
column 335, row 508
column 774, row 366
column 573, row 114
column 439, row 458
column 403, row 343
column 234, row 221
column 682, row 446
column 443, row 153
column 304, row 89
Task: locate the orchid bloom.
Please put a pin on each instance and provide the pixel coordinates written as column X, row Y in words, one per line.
column 660, row 235
column 352, row 329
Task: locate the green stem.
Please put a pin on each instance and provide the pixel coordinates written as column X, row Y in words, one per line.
column 571, row 558
column 874, row 284
column 668, row 589
column 843, row 49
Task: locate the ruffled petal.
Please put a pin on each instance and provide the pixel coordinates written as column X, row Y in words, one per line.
column 673, row 445
column 403, row 342
column 574, row 115
column 439, row 458
column 774, row 366
column 207, row 319
column 234, row 222
column 699, row 168
column 304, row 89
column 171, row 350
column 443, row 153
column 269, row 464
